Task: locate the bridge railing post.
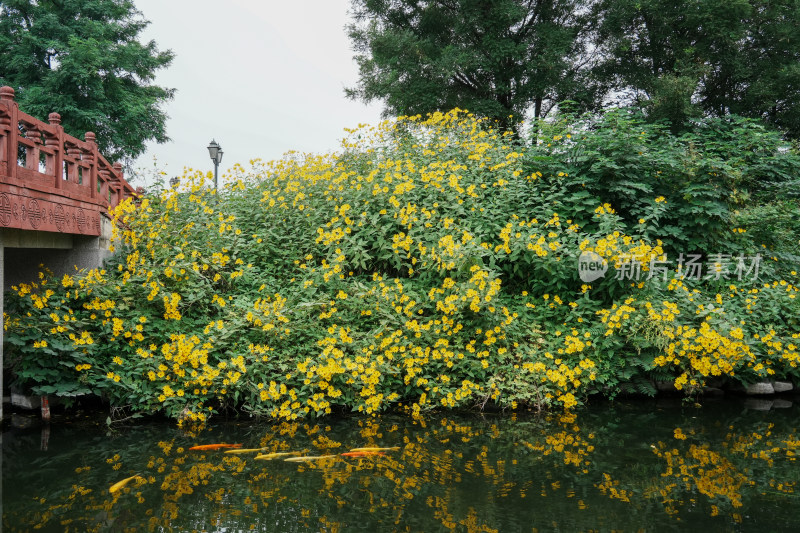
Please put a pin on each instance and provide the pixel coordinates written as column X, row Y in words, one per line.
column 92, row 156
column 106, row 188
column 55, row 162
column 74, row 174
column 33, row 134
column 10, row 119
column 118, row 179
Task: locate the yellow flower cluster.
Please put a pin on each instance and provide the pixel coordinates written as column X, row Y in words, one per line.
column 171, row 303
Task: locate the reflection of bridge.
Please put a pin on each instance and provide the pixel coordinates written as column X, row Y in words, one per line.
column 55, row 192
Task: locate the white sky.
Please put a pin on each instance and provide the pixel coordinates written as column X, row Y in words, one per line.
column 261, row 77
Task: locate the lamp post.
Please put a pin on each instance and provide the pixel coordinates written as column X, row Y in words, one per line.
column 215, row 151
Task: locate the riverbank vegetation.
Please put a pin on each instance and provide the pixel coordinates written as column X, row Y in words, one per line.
column 434, row 263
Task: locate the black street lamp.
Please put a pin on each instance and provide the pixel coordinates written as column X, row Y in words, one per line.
column 215, row 151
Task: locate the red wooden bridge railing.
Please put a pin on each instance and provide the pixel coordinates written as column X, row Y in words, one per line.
column 51, row 181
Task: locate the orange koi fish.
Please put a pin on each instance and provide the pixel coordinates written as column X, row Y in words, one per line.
column 392, row 449
column 363, row 453
column 203, row 447
column 121, row 484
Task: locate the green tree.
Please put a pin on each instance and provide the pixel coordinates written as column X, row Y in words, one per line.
column 83, row 59
column 495, row 58
column 717, row 57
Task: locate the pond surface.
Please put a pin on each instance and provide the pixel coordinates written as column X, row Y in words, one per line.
column 644, row 466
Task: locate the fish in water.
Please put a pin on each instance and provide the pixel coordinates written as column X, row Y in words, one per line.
column 202, row 447
column 309, row 458
column 246, row 450
column 276, row 455
column 392, row 449
column 364, row 453
column 121, row 484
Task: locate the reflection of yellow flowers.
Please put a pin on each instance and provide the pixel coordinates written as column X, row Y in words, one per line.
column 568, row 442
column 610, row 487
column 709, row 472
column 420, row 471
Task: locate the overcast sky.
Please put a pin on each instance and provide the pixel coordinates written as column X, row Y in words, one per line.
column 261, row 77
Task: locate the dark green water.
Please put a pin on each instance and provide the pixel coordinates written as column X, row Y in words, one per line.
column 645, row 466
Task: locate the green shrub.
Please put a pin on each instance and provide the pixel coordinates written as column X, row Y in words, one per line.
column 432, row 263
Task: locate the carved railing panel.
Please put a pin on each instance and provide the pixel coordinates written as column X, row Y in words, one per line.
column 51, row 181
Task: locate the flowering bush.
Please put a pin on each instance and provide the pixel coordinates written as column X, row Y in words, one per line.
column 423, row 266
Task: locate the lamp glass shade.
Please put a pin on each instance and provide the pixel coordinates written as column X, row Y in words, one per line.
column 219, row 156
column 213, row 149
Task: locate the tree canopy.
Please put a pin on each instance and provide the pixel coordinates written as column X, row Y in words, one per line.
column 496, row 58
column 83, row 59
column 676, row 60
column 715, row 57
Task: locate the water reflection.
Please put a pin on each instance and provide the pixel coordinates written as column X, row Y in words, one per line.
column 625, row 467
